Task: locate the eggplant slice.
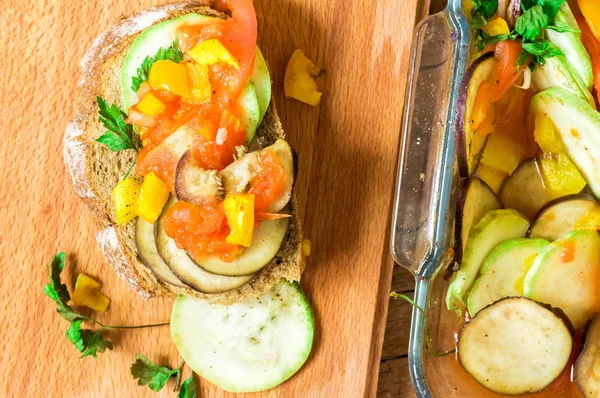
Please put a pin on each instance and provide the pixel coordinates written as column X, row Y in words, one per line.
column 475, row 200
column 516, row 346
column 189, row 272
column 587, row 367
column 559, row 216
column 146, row 245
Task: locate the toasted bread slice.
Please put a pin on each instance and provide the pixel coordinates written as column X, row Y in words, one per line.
column 94, row 170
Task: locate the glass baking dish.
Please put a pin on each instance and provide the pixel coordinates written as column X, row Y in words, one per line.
column 422, row 237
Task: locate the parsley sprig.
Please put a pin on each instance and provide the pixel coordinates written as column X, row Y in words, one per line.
column 172, row 53
column 87, row 341
column 120, row 135
column 90, row 342
column 537, row 16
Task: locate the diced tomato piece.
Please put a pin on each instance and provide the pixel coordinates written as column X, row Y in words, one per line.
column 505, row 73
column 200, row 230
column 267, row 185
column 137, row 118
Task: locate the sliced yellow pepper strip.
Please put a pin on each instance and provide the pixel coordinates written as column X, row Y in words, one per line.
column 239, row 210
column 170, row 76
column 212, row 51
column 87, row 293
column 125, row 196
column 153, row 197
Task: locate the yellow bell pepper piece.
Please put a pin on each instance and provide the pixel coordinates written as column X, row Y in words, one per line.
column 491, row 176
column 201, row 89
column 299, row 82
column 503, row 153
column 546, row 136
column 87, row 293
column 150, row 105
column 590, row 221
column 211, row 52
column 239, row 210
column 153, row 197
column 306, row 247
column 560, row 174
column 496, row 27
column 170, row 76
column 591, row 11
column 125, row 196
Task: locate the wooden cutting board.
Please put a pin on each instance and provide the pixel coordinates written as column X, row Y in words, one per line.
column 347, row 155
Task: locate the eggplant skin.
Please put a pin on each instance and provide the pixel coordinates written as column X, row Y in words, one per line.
column 586, row 374
column 516, row 346
column 463, row 141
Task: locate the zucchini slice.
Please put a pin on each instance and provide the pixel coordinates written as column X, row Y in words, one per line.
column 248, row 346
column 586, row 367
column 515, row 346
column 186, row 270
column 559, row 216
column 566, row 274
column 494, row 228
column 570, row 44
column 503, row 272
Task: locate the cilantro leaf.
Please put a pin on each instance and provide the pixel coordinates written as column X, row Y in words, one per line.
column 151, row 375
column 188, row 388
column 523, row 59
column 172, row 53
column 94, row 342
column 120, row 135
column 530, row 24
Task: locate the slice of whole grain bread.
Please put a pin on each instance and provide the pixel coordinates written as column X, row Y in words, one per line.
column 94, row 170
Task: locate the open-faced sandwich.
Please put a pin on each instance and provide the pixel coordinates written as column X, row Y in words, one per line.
column 178, row 151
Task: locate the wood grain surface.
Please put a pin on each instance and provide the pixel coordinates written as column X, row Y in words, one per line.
column 348, row 152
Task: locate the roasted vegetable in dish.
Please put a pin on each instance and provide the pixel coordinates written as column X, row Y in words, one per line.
column 526, row 263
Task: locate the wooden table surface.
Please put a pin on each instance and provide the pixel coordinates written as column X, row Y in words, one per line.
column 348, row 153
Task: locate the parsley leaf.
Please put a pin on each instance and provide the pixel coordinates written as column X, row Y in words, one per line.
column 483, row 10
column 172, row 53
column 530, row 24
column 151, row 375
column 541, row 49
column 188, row 388
column 484, row 40
column 57, row 291
column 87, row 341
column 94, row 342
column 120, row 135
column 551, row 7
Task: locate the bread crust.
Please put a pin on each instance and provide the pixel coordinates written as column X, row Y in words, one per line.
column 94, row 170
